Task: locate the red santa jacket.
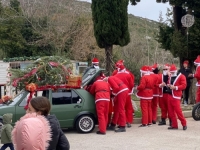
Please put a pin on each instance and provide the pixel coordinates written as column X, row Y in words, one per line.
column 155, row 88
column 197, row 75
column 101, row 90
column 116, row 85
column 114, row 72
column 145, row 89
column 180, row 83
column 127, row 78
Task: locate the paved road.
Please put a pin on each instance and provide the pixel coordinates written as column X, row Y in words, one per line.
column 149, row 138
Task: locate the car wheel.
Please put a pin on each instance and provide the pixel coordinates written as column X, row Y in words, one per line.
column 85, row 124
column 196, row 112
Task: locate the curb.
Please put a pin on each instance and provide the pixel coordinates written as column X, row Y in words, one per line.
column 187, row 114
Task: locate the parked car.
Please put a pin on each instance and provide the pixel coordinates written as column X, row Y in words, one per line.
column 74, row 108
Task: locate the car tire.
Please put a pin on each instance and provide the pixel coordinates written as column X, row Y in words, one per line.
column 196, row 112
column 85, row 124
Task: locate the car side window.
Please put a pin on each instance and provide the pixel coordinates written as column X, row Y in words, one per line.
column 61, row 97
column 76, row 98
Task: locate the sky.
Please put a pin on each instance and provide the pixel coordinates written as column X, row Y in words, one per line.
column 147, row 9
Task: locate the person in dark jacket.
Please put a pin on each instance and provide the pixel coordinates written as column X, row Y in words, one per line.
column 42, row 106
column 186, row 71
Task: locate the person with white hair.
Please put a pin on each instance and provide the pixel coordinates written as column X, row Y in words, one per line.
column 145, row 93
column 177, row 83
column 164, row 91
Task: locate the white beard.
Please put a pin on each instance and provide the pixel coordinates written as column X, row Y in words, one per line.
column 96, row 67
column 165, row 72
column 174, row 74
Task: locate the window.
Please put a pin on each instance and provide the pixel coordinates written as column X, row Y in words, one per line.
column 75, row 98
column 65, row 97
column 61, row 97
column 38, row 93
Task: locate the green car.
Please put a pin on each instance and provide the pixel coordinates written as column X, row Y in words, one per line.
column 74, row 108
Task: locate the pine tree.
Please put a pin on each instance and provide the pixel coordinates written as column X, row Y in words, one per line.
column 110, row 20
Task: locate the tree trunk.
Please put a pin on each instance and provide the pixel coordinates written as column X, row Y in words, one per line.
column 109, row 56
column 177, row 14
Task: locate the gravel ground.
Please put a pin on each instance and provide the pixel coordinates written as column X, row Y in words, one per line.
column 148, row 138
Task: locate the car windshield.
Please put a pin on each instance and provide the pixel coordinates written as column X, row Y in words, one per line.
column 15, row 99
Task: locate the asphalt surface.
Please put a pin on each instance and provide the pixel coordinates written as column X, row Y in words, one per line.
column 135, row 138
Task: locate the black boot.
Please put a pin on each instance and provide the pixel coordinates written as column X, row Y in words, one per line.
column 121, row 129
column 111, row 127
column 162, row 122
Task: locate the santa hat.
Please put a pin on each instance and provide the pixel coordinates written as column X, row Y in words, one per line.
column 173, row 68
column 95, row 61
column 119, row 63
column 166, row 66
column 197, row 60
column 145, row 69
column 101, row 76
column 186, row 62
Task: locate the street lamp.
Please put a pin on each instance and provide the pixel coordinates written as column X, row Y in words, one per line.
column 187, row 21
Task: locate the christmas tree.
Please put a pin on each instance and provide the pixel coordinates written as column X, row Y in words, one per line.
column 45, row 71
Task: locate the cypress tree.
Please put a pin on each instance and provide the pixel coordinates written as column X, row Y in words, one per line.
column 110, row 20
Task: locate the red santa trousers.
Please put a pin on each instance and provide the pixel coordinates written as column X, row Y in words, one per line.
column 111, row 111
column 154, row 107
column 119, row 116
column 145, row 105
column 129, row 110
column 175, row 110
column 102, row 108
column 198, row 94
column 163, row 104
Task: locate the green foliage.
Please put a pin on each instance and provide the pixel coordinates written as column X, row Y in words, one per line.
column 164, row 36
column 179, row 45
column 50, row 70
column 20, row 58
column 177, row 41
column 18, row 37
column 110, row 22
column 134, row 2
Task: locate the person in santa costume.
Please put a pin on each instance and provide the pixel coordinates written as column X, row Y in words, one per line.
column 154, row 102
column 197, row 76
column 128, row 79
column 101, row 90
column 164, row 92
column 177, row 83
column 120, row 92
column 145, row 93
column 95, row 64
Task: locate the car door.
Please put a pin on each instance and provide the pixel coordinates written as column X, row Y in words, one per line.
column 66, row 104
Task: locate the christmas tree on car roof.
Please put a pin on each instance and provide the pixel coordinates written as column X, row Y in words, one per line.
column 45, row 72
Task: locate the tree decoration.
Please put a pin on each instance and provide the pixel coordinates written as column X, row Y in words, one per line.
column 51, row 70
